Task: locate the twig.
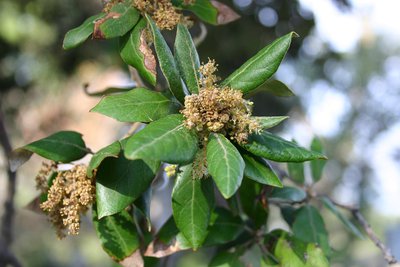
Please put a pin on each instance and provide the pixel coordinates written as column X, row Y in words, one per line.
column 388, row 256
column 6, row 238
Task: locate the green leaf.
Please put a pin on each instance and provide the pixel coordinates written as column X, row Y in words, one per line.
column 224, row 228
column 285, row 254
column 260, row 67
column 192, row 203
column 346, row 222
column 203, row 9
column 165, row 140
column 137, row 105
column 108, row 91
column 213, row 12
column 275, row 148
column 269, row 122
column 258, row 170
column 287, row 193
column 275, row 87
column 135, row 52
column 168, row 231
column 106, row 152
column 225, row 164
column 226, row 259
column 143, row 204
column 64, row 146
column 167, row 241
column 251, row 204
column 167, row 62
column 316, row 257
column 117, row 234
column 317, row 166
column 120, row 181
column 187, row 59
column 288, row 214
column 78, row 35
column 121, row 18
column 296, row 172
column 309, row 227
column 290, row 251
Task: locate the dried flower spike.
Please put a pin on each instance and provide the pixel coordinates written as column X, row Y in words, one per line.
column 164, row 14
column 44, row 173
column 219, row 110
column 70, row 195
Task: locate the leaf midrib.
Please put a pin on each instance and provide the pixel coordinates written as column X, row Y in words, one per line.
column 226, row 161
column 155, row 140
column 250, row 62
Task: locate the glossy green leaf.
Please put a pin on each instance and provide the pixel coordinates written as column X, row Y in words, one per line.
column 259, row 170
column 64, row 146
column 137, row 105
column 275, row 148
column 213, row 12
column 78, row 35
column 275, row 87
column 135, row 52
column 296, row 172
column 203, row 9
column 251, row 203
column 269, row 122
column 224, row 228
column 143, row 204
column 260, row 67
column 121, row 19
column 187, row 59
column 346, row 222
column 117, row 234
column 309, row 227
column 106, row 152
column 225, row 164
column 167, row 62
column 120, row 181
column 226, row 259
column 192, row 203
column 165, row 140
column 317, row 166
column 287, row 193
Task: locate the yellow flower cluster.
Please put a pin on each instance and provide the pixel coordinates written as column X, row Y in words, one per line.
column 44, row 174
column 164, row 14
column 70, row 195
column 219, row 110
column 170, row 170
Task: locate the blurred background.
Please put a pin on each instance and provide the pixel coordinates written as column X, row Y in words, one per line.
column 344, row 70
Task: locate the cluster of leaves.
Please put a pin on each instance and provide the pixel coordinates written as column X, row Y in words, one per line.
column 229, row 209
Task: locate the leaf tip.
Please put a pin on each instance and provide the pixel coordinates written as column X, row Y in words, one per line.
column 295, row 34
column 323, row 157
column 18, row 157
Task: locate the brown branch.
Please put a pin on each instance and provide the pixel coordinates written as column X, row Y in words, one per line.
column 6, row 238
column 355, row 211
column 389, row 257
column 387, row 254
